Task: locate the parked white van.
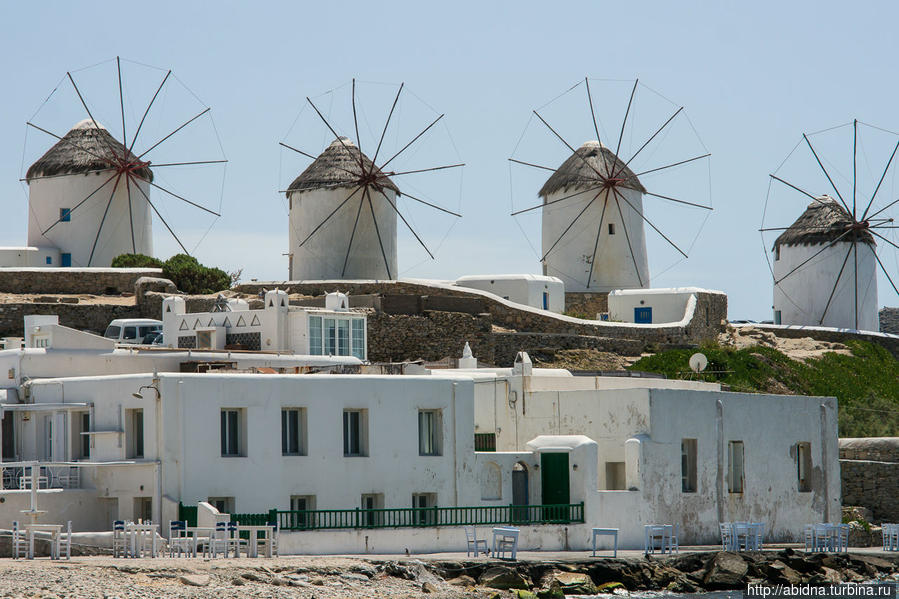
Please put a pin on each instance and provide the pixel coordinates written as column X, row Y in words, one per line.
column 132, row 330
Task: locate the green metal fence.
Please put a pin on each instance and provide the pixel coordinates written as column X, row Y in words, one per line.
column 411, row 517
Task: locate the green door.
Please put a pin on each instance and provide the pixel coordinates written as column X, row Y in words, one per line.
column 554, row 481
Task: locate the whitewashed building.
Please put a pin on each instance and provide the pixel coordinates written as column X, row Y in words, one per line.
column 654, row 306
column 825, row 273
column 308, row 449
column 80, row 209
column 537, row 291
column 332, row 331
column 593, row 237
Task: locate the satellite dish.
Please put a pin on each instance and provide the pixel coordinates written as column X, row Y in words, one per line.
column 698, row 362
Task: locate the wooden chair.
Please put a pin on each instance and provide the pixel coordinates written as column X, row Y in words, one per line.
column 179, row 541
column 64, row 542
column 19, row 541
column 119, row 539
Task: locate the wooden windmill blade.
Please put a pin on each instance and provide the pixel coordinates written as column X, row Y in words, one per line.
column 826, row 263
column 345, row 207
column 592, row 216
column 107, row 210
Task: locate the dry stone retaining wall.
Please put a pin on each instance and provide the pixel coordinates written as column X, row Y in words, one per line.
column 891, row 343
column 889, row 320
column 869, row 471
column 93, row 281
column 88, row 317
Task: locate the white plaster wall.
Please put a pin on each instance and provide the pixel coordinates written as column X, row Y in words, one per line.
column 76, row 237
column 802, row 296
column 549, row 537
column 268, row 479
column 78, row 505
column 322, row 257
column 614, row 264
column 668, row 305
column 522, row 289
column 29, row 257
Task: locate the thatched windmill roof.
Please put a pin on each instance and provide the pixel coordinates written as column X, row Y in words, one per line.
column 338, row 164
column 82, row 150
column 822, row 222
column 581, row 168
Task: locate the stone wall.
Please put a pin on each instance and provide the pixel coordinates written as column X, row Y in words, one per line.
column 586, row 305
column 891, row 343
column 93, row 281
column 508, row 344
column 88, row 317
column 709, row 319
column 889, row 320
column 430, row 336
column 869, row 470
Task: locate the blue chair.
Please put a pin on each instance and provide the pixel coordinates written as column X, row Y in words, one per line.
column 179, row 540
column 119, row 539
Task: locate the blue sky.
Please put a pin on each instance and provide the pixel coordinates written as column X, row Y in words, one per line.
column 752, row 76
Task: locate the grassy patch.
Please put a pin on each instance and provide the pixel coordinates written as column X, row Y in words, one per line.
column 866, row 383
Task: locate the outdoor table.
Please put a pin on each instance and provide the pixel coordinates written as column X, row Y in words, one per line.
column 53, row 529
column 198, row 533
column 252, row 549
column 612, row 532
column 660, row 532
column 137, row 533
column 504, row 536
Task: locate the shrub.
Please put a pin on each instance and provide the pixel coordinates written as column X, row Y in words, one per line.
column 188, row 275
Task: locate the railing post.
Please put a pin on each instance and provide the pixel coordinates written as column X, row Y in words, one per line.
column 357, row 518
column 436, row 517
column 273, row 517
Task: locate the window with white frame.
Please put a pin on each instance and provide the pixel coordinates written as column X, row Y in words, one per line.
column 688, row 465
column 358, row 337
column 429, row 432
column 804, row 466
column 293, row 431
column 337, row 336
column 735, row 467
column 232, row 432
column 355, row 433
column 315, row 335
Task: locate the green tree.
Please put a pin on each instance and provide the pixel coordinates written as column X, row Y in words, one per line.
column 188, row 275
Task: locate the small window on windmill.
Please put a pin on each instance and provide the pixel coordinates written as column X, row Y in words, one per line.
column 776, row 253
column 804, row 466
column 611, row 228
column 65, row 215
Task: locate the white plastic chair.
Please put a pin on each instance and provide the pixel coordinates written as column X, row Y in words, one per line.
column 471, row 536
column 842, row 538
column 505, row 539
column 890, row 536
column 672, row 540
column 19, row 541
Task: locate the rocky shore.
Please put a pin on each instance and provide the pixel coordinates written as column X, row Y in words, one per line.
column 333, row 577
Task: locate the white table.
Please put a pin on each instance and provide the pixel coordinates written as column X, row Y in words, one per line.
column 252, row 549
column 138, row 534
column 660, row 532
column 503, row 537
column 53, row 529
column 612, row 532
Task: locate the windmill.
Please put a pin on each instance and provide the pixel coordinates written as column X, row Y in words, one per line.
column 592, row 205
column 90, row 194
column 825, row 264
column 344, row 207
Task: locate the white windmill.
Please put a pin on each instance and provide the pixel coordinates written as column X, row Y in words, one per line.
column 825, row 264
column 592, row 205
column 344, row 207
column 89, row 195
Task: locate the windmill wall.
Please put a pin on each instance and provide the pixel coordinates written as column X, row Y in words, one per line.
column 620, row 258
column 323, row 255
column 802, row 296
column 76, row 237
